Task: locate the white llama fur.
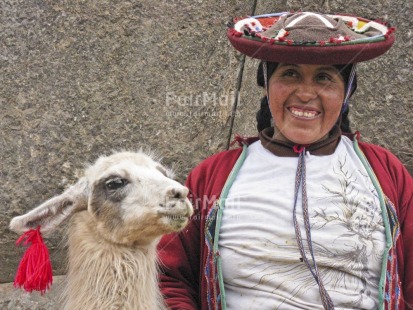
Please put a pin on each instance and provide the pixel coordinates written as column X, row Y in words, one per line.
column 119, row 210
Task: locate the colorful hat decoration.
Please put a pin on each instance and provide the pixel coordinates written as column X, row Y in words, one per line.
column 310, row 38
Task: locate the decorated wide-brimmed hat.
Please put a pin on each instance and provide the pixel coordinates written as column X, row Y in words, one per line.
column 310, row 38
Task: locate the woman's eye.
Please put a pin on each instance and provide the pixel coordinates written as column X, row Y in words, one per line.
column 290, row 73
column 115, row 183
column 324, row 77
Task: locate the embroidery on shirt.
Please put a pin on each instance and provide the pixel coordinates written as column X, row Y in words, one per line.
column 361, row 216
column 357, row 216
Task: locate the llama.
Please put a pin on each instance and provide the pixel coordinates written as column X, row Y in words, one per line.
column 118, row 212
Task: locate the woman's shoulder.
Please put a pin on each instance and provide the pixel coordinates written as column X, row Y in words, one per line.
column 209, row 177
column 226, row 158
column 222, row 159
column 374, row 152
column 391, row 172
column 379, row 153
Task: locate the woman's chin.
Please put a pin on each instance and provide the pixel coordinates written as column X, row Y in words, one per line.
column 304, row 137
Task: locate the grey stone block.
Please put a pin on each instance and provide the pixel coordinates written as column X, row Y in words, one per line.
column 82, row 78
column 16, row 299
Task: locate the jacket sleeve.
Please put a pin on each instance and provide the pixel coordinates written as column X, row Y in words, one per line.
column 179, row 259
column 403, row 182
column 397, row 184
column 181, row 255
column 405, row 191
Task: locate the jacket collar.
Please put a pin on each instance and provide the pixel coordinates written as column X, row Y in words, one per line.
column 286, row 149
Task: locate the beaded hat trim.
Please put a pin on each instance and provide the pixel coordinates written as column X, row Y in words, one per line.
column 312, row 38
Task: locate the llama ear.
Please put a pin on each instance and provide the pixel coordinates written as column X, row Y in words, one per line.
column 54, row 211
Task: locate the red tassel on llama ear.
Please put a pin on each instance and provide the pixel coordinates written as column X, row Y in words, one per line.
column 35, row 269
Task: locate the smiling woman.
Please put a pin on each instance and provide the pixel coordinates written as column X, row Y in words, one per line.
column 307, row 216
column 305, row 101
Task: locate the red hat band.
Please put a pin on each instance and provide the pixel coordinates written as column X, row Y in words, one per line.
column 310, row 38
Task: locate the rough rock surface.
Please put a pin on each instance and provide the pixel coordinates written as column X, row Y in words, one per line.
column 80, row 78
column 14, row 299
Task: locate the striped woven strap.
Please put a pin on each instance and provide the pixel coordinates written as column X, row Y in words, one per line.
column 300, row 182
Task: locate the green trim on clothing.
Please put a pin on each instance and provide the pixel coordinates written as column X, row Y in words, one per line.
column 221, row 206
column 389, row 238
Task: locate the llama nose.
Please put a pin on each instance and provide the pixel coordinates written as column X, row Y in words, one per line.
column 178, row 192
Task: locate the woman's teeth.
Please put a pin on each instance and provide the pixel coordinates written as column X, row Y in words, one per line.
column 301, row 113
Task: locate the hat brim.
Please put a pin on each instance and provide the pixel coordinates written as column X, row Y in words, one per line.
column 322, row 55
column 290, row 52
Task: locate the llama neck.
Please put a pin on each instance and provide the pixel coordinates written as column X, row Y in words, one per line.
column 103, row 275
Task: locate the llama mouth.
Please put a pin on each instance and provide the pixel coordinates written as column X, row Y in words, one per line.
column 179, row 218
column 175, row 217
column 303, row 114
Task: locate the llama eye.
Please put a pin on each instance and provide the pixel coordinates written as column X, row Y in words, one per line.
column 116, row 183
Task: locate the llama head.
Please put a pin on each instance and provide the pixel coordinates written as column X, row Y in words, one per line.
column 131, row 198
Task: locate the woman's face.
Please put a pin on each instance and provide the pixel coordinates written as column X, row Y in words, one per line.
column 305, row 101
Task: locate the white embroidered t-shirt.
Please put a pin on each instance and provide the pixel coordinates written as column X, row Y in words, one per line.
column 262, row 265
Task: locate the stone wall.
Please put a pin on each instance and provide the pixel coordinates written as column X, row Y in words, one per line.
column 81, row 78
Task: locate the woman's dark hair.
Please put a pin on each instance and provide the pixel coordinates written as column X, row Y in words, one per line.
column 263, row 115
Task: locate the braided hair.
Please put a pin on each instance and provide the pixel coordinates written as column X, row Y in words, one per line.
column 264, row 116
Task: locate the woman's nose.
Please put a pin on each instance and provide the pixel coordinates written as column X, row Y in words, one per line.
column 306, row 92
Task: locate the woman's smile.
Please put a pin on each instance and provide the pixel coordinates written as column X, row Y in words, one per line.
column 303, row 113
column 305, row 101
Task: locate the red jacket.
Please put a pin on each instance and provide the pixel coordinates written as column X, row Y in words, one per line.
column 184, row 257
